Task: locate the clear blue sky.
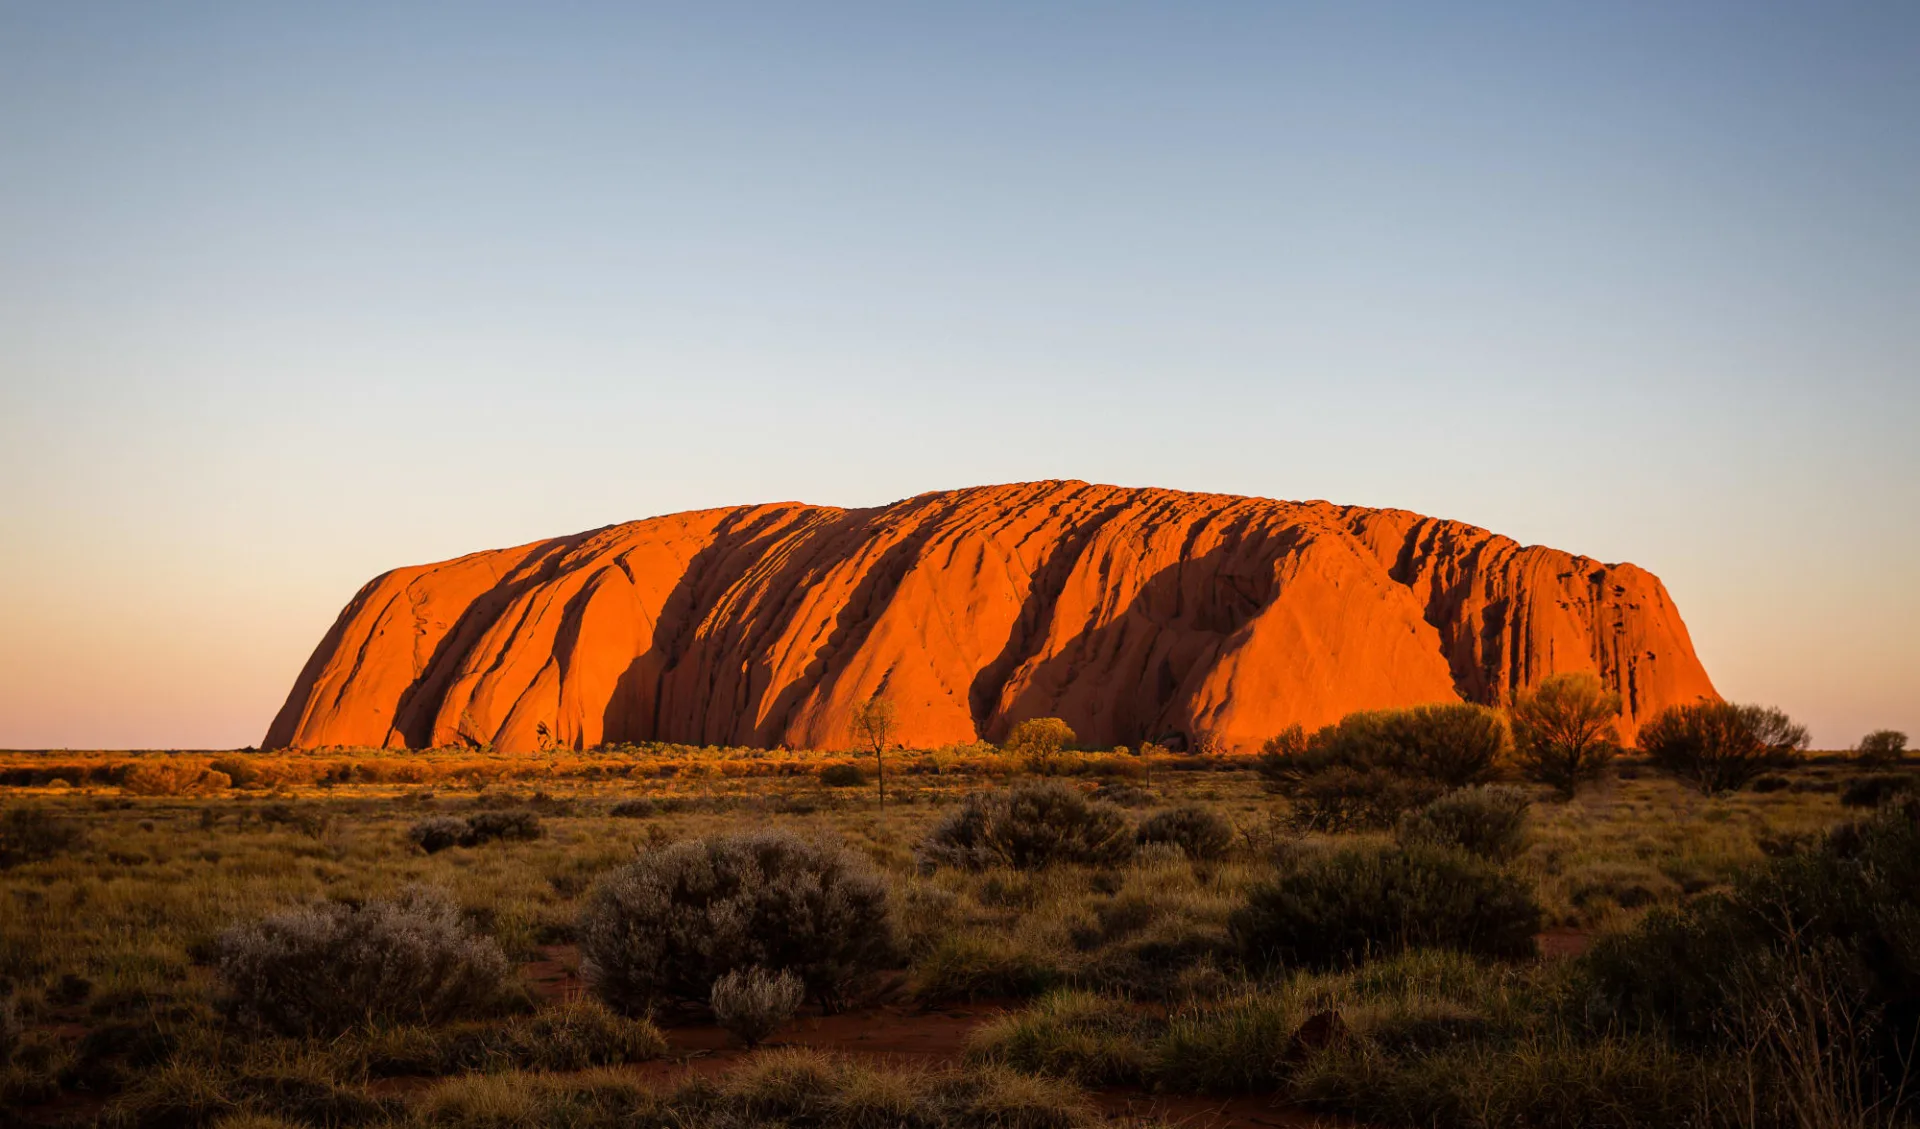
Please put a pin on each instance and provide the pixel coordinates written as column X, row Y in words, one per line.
column 290, row 295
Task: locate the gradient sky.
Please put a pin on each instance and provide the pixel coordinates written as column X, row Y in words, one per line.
column 290, row 295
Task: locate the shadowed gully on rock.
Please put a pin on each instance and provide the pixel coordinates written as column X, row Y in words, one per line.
column 1133, row 614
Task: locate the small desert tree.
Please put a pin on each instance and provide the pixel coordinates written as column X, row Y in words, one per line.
column 873, row 726
column 1720, row 746
column 1039, row 740
column 1563, row 731
column 1882, row 746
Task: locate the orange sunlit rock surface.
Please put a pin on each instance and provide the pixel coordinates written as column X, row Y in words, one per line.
column 1131, row 613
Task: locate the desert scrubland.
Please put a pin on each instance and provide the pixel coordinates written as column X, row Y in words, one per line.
column 1391, row 921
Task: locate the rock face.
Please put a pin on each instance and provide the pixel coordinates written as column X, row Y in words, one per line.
column 1131, row 613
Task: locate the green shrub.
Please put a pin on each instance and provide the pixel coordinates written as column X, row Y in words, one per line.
column 1872, row 791
column 1371, row 767
column 674, row 921
column 1489, row 821
column 1719, row 747
column 1040, row 740
column 31, row 834
column 1028, row 827
column 325, row 968
column 1827, row 930
column 1338, row 908
column 241, row 772
column 843, row 776
column 1200, row 832
column 638, row 808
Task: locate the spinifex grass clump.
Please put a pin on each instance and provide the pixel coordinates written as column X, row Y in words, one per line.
column 323, row 969
column 1337, row 908
column 777, row 1089
column 670, row 924
column 1028, row 827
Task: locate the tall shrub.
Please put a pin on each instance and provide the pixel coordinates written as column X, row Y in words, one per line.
column 1040, row 740
column 1882, row 746
column 1564, row 731
column 1719, row 747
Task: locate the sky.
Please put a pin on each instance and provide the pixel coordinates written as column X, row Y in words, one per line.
column 293, row 294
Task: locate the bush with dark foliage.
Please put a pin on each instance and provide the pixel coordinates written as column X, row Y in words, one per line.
column 1829, row 927
column 842, row 776
column 669, row 924
column 488, row 826
column 1489, row 821
column 1719, row 747
column 32, row 835
column 1200, row 832
column 9, row 1029
column 1872, row 791
column 439, row 833
column 1882, row 746
column 1342, row 907
column 639, row 808
column 1345, row 799
column 1028, row 827
column 326, row 968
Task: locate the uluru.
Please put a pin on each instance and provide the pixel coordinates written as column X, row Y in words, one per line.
column 1135, row 614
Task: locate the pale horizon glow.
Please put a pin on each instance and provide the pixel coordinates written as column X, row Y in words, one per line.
column 290, row 297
